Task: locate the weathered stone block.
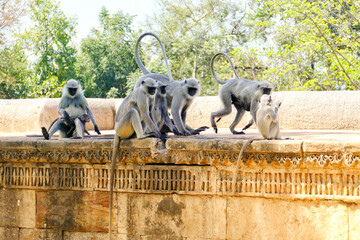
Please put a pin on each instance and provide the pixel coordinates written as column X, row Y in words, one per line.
column 256, row 218
column 177, row 216
column 17, row 208
column 73, row 210
column 93, row 236
column 354, row 220
column 39, row 234
column 9, row 233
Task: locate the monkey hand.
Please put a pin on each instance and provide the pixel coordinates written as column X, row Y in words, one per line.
column 96, row 129
column 67, row 118
column 198, row 130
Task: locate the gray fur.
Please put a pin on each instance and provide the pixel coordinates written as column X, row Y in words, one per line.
column 133, row 110
column 266, row 122
column 178, row 97
column 159, row 112
column 242, row 93
column 146, row 72
column 74, row 107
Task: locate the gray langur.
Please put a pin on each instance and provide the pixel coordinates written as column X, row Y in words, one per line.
column 244, row 94
column 74, row 112
column 179, row 95
column 267, row 124
column 159, row 112
column 133, row 110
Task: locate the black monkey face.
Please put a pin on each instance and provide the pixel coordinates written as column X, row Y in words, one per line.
column 192, row 91
column 267, row 91
column 163, row 89
column 151, row 90
column 72, row 91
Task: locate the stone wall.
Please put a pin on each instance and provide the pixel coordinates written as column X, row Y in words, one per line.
column 335, row 110
column 285, row 189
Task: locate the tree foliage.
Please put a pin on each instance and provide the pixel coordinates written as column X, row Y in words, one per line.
column 49, row 40
column 193, row 31
column 107, row 56
column 314, row 45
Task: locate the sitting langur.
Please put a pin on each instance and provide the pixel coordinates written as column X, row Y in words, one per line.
column 179, row 95
column 133, row 110
column 74, row 111
column 266, row 122
column 159, row 111
column 242, row 93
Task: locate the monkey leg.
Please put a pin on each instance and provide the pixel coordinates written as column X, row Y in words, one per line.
column 128, row 124
column 79, row 128
column 249, row 124
column 58, row 125
column 240, row 112
column 226, row 100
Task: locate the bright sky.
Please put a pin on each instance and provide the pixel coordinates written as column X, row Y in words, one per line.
column 87, row 11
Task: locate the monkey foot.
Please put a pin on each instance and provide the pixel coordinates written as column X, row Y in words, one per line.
column 236, row 132
column 45, row 133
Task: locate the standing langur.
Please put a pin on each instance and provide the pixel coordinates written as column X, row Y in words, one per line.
column 74, row 111
column 266, row 122
column 242, row 93
column 179, row 95
column 132, row 111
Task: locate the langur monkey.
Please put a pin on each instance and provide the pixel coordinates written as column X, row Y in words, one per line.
column 179, row 95
column 159, row 111
column 133, row 110
column 266, row 122
column 74, row 111
column 244, row 94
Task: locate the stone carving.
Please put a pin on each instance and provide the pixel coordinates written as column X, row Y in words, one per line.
column 274, row 182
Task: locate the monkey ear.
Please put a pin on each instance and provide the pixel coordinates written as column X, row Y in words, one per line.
column 142, row 82
column 185, row 81
column 258, row 86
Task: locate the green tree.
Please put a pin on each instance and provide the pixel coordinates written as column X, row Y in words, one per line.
column 49, row 41
column 193, row 31
column 314, row 45
column 107, row 56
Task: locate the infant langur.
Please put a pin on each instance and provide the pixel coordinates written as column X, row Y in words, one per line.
column 74, row 112
column 128, row 123
column 266, row 122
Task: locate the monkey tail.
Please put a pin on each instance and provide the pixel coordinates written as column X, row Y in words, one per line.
column 238, row 162
column 212, row 67
column 117, row 141
column 137, row 56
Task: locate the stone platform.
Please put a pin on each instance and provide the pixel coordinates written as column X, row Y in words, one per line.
column 306, row 187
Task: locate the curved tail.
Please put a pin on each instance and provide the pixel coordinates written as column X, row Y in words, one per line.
column 239, row 159
column 212, row 67
column 116, row 147
column 137, row 56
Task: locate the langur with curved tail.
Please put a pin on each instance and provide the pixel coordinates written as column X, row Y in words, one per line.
column 266, row 122
column 244, row 94
column 133, row 110
column 179, row 95
column 74, row 111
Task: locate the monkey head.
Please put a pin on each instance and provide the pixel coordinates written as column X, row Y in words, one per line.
column 265, row 100
column 161, row 89
column 191, row 87
column 149, row 85
column 266, row 87
column 72, row 88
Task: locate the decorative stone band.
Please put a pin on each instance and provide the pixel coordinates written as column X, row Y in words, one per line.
column 199, row 180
